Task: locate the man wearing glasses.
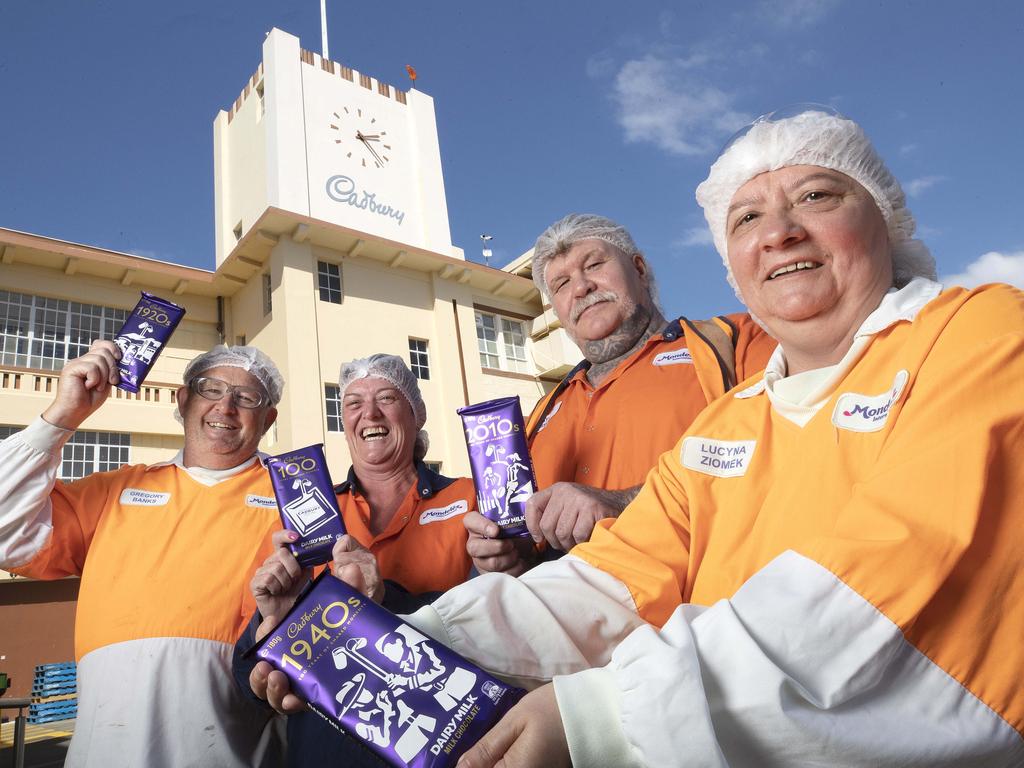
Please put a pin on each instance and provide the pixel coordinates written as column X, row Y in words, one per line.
column 165, row 553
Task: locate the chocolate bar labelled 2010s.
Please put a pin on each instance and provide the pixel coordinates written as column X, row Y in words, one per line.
column 500, row 460
column 409, row 699
column 306, row 501
column 143, row 336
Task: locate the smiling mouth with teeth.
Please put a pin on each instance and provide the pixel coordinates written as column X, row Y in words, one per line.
column 374, row 433
column 219, row 425
column 797, row 267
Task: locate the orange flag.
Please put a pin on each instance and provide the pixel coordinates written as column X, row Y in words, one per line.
column 411, row 71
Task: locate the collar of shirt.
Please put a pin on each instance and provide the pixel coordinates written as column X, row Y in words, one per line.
column 673, row 330
column 801, row 396
column 209, row 477
column 428, row 482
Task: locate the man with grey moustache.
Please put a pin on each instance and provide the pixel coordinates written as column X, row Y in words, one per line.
column 643, row 379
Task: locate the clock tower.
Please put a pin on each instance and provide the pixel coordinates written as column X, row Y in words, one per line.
column 315, row 138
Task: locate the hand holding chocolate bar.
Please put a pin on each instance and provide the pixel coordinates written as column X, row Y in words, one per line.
column 406, row 697
column 279, row 581
column 84, row 385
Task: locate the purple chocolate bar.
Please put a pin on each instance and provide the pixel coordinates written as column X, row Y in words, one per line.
column 500, row 460
column 143, row 336
column 409, row 699
column 306, row 501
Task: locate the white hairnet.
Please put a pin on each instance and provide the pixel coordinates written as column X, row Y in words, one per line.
column 566, row 232
column 393, row 369
column 248, row 359
column 830, row 141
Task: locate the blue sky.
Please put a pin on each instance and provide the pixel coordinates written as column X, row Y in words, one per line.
column 543, row 108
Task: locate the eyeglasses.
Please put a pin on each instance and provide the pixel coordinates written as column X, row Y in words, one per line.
column 215, row 389
column 791, row 110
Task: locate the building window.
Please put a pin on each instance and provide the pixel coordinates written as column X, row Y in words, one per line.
column 328, row 277
column 268, row 299
column 501, row 342
column 39, row 332
column 88, row 452
column 419, row 362
column 332, row 404
column 433, row 466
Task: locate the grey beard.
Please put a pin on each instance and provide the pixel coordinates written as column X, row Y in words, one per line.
column 604, row 354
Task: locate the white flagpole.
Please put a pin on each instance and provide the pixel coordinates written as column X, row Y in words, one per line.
column 323, row 30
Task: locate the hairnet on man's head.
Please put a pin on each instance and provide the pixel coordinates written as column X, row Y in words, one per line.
column 817, row 138
column 393, row 369
column 248, row 359
column 566, row 232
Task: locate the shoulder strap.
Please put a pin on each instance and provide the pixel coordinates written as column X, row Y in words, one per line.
column 544, row 405
column 715, row 340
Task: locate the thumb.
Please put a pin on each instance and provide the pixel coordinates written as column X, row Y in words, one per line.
column 489, row 751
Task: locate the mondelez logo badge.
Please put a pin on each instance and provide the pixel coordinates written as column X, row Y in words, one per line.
column 868, row 413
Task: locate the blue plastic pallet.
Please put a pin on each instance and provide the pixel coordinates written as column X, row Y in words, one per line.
column 47, row 712
column 43, row 679
column 61, row 665
column 52, row 690
column 51, row 718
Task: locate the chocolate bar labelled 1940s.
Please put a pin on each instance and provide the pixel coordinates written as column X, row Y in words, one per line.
column 306, row 501
column 500, row 460
column 409, row 699
column 142, row 338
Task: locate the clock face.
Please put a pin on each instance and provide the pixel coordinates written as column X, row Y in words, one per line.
column 363, row 138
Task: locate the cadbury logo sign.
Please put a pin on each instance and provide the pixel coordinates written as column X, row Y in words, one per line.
column 342, row 189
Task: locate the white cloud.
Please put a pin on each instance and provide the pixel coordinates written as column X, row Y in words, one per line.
column 795, row 14
column 992, row 267
column 666, row 102
column 908, row 149
column 694, row 236
column 915, row 187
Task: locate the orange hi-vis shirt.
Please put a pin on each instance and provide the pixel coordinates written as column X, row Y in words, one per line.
column 423, row 548
column 611, row 435
column 160, row 554
column 906, row 487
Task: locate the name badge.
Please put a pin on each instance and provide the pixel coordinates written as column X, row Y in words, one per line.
column 675, row 357
column 267, row 502
column 550, row 416
column 721, row 458
column 868, row 413
column 136, row 497
column 443, row 513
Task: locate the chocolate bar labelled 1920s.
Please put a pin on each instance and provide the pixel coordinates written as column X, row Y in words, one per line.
column 306, row 501
column 406, row 697
column 143, row 336
column 500, row 460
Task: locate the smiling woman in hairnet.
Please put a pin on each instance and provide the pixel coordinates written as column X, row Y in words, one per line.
column 827, row 568
column 405, row 543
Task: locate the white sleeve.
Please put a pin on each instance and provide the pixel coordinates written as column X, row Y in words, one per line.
column 557, row 619
column 29, row 460
column 795, row 669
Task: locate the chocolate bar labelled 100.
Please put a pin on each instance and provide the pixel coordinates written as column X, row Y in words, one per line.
column 142, row 338
column 306, row 501
column 409, row 699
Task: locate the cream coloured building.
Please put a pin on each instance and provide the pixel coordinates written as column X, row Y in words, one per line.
column 332, row 242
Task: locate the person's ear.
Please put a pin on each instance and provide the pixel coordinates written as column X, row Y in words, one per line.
column 269, row 419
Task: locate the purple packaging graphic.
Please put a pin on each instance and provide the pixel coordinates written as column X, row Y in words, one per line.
column 306, row 501
column 500, row 460
column 409, row 699
column 143, row 336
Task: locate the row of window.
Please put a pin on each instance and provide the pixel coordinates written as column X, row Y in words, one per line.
column 87, row 452
column 44, row 333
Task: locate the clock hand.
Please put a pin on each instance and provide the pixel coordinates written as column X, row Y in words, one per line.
column 376, row 157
